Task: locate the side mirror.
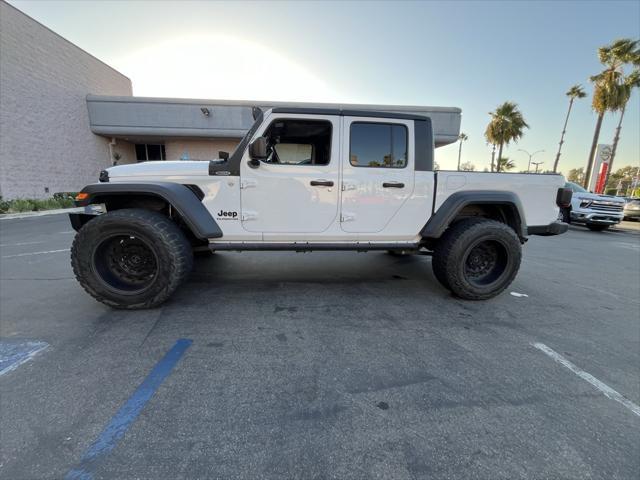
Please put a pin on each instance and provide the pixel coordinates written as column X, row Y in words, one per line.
column 223, row 155
column 257, row 151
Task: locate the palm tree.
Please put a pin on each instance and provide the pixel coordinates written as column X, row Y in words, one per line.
column 463, row 137
column 506, row 126
column 631, row 81
column 574, row 92
column 610, row 92
column 505, row 164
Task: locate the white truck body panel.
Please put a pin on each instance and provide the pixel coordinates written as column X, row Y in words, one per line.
column 276, row 203
column 537, row 192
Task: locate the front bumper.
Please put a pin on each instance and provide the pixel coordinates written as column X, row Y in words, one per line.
column 555, row 228
column 596, row 218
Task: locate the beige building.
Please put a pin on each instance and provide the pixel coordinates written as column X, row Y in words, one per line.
column 47, row 141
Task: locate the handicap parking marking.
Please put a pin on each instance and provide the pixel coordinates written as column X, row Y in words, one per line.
column 120, row 422
column 603, row 387
column 14, row 353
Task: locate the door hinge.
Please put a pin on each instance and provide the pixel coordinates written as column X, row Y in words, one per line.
column 249, row 216
column 347, row 217
column 248, row 184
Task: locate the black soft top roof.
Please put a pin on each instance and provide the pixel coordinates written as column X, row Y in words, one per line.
column 349, row 113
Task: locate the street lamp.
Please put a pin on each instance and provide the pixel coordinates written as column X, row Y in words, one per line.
column 536, row 164
column 530, row 157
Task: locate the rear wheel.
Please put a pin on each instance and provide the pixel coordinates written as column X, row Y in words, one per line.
column 131, row 258
column 597, row 228
column 477, row 258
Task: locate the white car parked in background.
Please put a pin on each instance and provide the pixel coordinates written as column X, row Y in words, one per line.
column 596, row 212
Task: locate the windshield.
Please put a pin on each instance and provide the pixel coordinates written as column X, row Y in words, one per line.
column 575, row 187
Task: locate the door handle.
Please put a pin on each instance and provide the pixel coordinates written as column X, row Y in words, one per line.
column 321, row 183
column 393, row 185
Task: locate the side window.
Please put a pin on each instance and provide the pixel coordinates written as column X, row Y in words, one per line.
column 298, row 142
column 378, row 145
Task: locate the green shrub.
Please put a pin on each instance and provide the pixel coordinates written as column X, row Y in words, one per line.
column 4, row 205
column 18, row 205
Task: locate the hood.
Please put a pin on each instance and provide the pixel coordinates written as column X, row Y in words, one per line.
column 601, row 198
column 164, row 168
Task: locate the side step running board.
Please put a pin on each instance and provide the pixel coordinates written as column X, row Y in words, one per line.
column 311, row 246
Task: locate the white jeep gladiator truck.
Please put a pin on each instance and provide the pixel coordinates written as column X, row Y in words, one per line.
column 305, row 179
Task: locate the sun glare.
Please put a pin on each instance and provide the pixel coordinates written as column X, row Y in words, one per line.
column 220, row 66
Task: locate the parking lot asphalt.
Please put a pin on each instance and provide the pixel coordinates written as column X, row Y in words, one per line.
column 324, row 365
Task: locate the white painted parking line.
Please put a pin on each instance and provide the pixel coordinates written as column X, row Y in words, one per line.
column 14, row 354
column 35, row 253
column 19, row 244
column 603, row 387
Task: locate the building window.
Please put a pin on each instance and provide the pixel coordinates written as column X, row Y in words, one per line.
column 146, row 152
column 378, row 145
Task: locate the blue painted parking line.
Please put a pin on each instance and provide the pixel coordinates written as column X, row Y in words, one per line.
column 14, row 353
column 121, row 421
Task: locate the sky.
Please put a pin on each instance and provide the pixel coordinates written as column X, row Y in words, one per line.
column 468, row 54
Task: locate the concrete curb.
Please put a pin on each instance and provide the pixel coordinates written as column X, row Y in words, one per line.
column 57, row 211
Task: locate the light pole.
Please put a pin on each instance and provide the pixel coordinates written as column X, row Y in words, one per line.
column 536, row 164
column 530, row 157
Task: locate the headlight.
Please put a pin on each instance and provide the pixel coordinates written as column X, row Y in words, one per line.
column 585, row 203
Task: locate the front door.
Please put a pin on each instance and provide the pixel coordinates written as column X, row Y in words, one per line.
column 295, row 189
column 378, row 172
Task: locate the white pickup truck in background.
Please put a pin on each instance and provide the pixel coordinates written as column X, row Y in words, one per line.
column 596, row 212
column 307, row 179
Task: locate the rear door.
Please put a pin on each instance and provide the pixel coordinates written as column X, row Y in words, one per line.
column 378, row 172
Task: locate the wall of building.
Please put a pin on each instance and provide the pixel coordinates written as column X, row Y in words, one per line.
column 199, row 149
column 45, row 139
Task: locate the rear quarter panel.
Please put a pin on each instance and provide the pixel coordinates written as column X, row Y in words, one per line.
column 537, row 192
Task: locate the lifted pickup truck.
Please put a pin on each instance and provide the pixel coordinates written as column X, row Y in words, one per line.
column 306, row 179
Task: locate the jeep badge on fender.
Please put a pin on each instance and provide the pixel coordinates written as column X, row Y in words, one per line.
column 229, row 215
column 313, row 179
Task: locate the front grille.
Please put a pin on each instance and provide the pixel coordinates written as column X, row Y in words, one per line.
column 606, row 206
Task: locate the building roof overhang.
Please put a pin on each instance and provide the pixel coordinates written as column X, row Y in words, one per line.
column 141, row 117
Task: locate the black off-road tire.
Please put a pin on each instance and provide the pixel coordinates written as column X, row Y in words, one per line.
column 455, row 258
column 166, row 252
column 597, row 228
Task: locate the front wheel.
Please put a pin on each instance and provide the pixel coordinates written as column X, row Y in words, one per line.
column 477, row 258
column 131, row 258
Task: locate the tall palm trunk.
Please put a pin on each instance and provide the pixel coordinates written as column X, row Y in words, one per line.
column 564, row 130
column 614, row 146
column 594, row 145
column 459, row 154
column 499, row 157
column 493, row 157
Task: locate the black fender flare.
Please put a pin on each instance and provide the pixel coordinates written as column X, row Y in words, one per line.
column 180, row 197
column 444, row 216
